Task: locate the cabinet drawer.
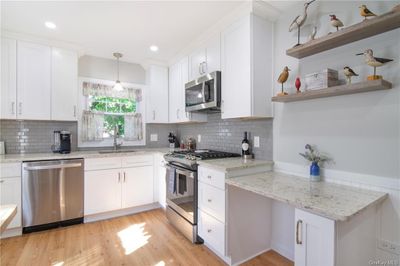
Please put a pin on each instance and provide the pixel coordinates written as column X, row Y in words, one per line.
column 212, row 201
column 212, row 231
column 212, row 177
column 102, row 163
column 138, row 160
column 10, row 169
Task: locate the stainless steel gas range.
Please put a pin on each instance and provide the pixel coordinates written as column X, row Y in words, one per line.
column 182, row 193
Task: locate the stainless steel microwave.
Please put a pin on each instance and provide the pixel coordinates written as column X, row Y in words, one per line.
column 204, row 93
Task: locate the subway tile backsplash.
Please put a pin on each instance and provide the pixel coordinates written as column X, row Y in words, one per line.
column 225, row 135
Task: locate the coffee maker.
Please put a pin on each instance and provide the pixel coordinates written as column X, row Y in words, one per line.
column 62, row 142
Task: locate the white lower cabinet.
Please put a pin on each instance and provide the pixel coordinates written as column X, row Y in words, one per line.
column 118, row 188
column 212, row 231
column 314, row 240
column 102, row 191
column 137, row 186
column 10, row 190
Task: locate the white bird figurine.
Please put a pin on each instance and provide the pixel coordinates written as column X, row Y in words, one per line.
column 313, row 33
column 348, row 72
column 299, row 21
column 335, row 22
column 373, row 61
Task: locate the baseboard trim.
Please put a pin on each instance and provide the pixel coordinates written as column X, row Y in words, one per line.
column 122, row 212
column 282, row 250
column 11, row 232
column 251, row 257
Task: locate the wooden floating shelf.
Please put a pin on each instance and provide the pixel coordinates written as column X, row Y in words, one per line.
column 367, row 28
column 365, row 86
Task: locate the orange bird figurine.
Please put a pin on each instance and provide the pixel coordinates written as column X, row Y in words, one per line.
column 283, row 77
column 365, row 12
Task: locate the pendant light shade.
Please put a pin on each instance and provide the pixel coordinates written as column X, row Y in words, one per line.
column 118, row 86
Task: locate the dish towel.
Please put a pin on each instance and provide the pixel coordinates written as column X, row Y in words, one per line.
column 182, row 185
column 171, row 177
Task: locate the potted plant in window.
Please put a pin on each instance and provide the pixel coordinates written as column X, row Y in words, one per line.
column 316, row 158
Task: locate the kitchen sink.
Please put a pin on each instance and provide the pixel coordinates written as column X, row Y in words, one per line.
column 116, row 151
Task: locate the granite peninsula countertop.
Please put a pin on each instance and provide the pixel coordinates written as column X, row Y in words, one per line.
column 333, row 201
column 232, row 164
column 15, row 158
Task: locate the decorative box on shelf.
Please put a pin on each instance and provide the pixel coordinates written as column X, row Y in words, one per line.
column 322, row 79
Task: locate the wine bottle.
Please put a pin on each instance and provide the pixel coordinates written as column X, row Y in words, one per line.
column 245, row 145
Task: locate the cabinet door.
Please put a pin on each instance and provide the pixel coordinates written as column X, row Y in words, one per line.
column 314, row 240
column 213, row 55
column 174, row 92
column 8, row 79
column 102, row 191
column 157, row 96
column 64, row 93
column 197, row 61
column 137, row 186
column 33, row 81
column 10, row 193
column 235, row 66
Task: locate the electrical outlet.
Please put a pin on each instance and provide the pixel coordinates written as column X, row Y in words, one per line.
column 389, row 246
column 153, row 137
column 256, row 142
column 198, row 138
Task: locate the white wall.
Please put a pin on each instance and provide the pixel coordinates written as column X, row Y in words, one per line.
column 360, row 132
column 103, row 68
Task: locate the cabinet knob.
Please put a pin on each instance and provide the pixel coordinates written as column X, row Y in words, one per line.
column 209, row 230
column 209, row 200
column 209, row 177
column 1, row 181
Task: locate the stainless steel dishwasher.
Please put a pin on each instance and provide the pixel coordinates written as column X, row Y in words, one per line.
column 52, row 194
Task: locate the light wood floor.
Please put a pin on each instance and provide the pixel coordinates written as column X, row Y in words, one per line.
column 142, row 239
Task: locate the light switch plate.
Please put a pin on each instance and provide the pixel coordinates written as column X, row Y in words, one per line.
column 256, row 142
column 153, row 137
column 198, row 138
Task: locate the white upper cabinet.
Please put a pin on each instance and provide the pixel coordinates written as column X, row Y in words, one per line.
column 157, row 95
column 8, row 93
column 178, row 76
column 64, row 85
column 246, row 68
column 205, row 59
column 33, row 81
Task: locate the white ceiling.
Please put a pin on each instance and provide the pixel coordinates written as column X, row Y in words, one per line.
column 101, row 28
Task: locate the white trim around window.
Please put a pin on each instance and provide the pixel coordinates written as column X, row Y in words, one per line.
column 82, row 105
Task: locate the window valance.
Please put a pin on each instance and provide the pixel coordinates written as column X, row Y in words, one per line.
column 97, row 89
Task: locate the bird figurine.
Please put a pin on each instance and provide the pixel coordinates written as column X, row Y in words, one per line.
column 299, row 21
column 348, row 72
column 283, row 77
column 373, row 61
column 365, row 12
column 335, row 22
column 297, row 84
column 313, row 33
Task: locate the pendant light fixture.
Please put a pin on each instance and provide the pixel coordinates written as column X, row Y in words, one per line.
column 118, row 86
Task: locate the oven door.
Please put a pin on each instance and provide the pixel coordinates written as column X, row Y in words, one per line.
column 181, row 191
column 203, row 93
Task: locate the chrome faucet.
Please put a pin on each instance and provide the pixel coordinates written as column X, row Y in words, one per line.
column 116, row 146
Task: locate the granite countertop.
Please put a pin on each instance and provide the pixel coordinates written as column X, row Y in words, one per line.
column 7, row 213
column 14, row 158
column 232, row 164
column 333, row 201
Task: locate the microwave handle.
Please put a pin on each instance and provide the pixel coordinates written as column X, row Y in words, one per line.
column 203, row 90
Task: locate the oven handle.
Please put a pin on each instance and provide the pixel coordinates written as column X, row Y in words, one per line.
column 181, row 170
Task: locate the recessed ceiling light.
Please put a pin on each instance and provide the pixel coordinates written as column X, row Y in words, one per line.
column 154, row 48
column 50, row 25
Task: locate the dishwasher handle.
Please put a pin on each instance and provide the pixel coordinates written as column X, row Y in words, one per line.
column 52, row 166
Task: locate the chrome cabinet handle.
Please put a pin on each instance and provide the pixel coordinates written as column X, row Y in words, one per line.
column 124, row 177
column 13, row 108
column 204, row 64
column 177, row 113
column 298, row 236
column 200, row 68
column 119, row 177
column 209, row 230
column 1, row 181
column 209, row 200
column 209, row 177
column 74, row 110
column 154, row 115
column 20, row 108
